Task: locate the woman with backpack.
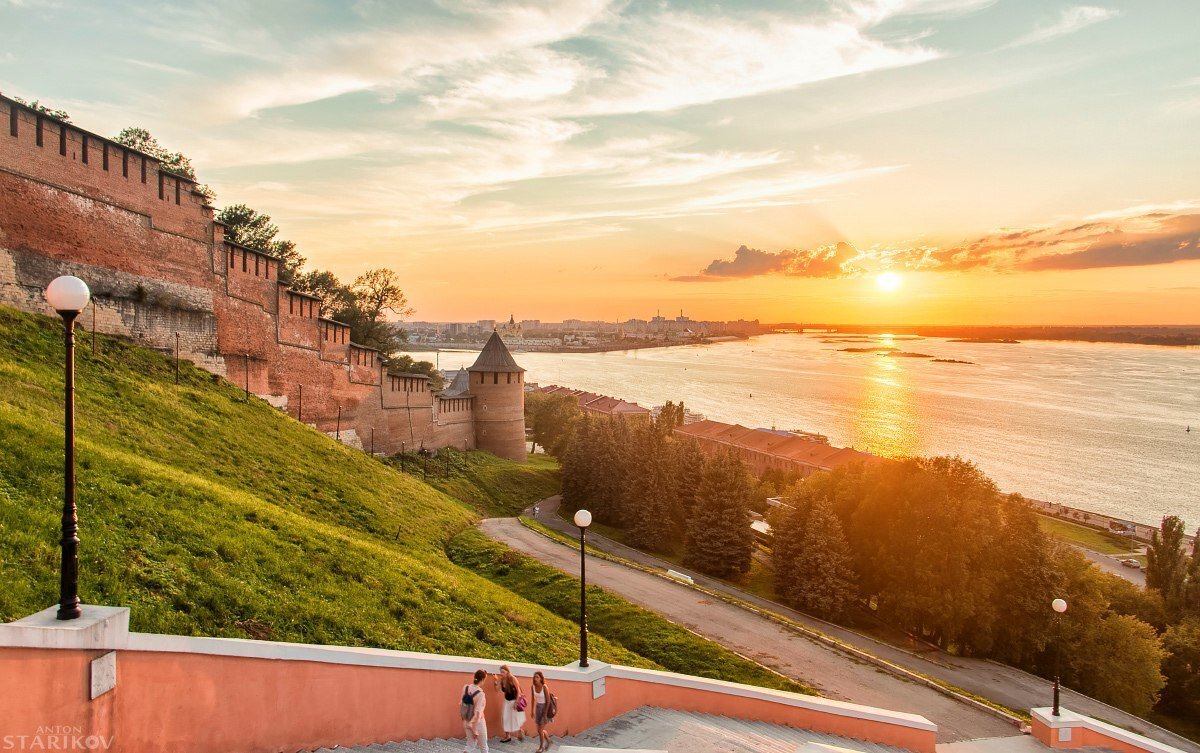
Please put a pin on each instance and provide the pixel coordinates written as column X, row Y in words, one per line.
column 513, row 711
column 545, row 707
column 471, row 708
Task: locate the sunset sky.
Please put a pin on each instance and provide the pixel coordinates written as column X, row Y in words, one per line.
column 1013, row 161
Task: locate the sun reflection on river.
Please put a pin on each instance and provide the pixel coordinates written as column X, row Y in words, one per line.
column 885, row 421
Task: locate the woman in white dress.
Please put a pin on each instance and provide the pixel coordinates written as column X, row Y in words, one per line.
column 512, row 719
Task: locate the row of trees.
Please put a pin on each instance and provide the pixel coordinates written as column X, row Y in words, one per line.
column 664, row 492
column 930, row 546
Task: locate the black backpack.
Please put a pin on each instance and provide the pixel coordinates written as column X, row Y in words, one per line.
column 467, row 709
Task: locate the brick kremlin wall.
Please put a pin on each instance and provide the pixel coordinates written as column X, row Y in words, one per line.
column 158, row 265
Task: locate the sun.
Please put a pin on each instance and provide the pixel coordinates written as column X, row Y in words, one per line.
column 888, row 282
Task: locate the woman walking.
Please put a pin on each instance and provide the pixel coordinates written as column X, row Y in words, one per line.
column 471, row 708
column 513, row 711
column 543, row 710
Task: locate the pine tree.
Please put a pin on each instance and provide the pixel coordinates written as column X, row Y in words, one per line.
column 788, row 529
column 719, row 539
column 652, row 519
column 823, row 581
column 1167, row 563
column 576, row 465
column 687, row 474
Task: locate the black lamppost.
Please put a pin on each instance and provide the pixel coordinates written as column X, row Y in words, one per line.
column 583, row 519
column 1059, row 606
column 68, row 296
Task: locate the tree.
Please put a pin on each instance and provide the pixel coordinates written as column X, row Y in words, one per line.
column 577, row 464
column 49, row 112
column 1191, row 592
column 1118, row 660
column 719, row 540
column 253, row 229
column 1028, row 583
column 821, row 577
column 403, row 363
column 1166, row 562
column 649, row 511
column 335, row 296
column 551, row 420
column 173, row 162
column 688, row 472
column 377, row 292
column 669, row 417
column 1182, row 668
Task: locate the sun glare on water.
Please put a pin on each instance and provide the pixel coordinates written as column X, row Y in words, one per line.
column 888, row 282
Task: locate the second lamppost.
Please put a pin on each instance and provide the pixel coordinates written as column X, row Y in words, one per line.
column 68, row 296
column 583, row 519
column 1059, row 606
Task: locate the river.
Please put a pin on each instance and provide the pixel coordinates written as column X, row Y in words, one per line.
column 1096, row 426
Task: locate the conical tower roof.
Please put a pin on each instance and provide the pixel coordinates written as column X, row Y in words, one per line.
column 495, row 357
column 460, row 385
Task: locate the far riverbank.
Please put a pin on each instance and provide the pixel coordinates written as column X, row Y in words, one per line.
column 606, row 347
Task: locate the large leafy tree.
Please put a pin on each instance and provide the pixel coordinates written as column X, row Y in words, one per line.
column 335, row 296
column 719, row 540
column 1182, row 668
column 254, row 229
column 551, row 420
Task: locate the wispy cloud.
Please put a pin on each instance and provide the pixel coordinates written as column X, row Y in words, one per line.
column 1069, row 21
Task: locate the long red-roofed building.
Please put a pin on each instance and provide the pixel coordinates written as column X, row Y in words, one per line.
column 762, row 449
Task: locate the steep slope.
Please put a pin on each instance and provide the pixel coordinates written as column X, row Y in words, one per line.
column 211, row 515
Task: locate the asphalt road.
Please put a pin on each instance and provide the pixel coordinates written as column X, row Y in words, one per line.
column 832, row 672
column 1110, row 564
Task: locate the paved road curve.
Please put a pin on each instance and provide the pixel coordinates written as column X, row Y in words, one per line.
column 837, row 675
column 765, row 641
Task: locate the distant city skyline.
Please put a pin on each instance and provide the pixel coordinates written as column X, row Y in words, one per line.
column 899, row 162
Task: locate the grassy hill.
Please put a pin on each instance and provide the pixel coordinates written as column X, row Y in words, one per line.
column 213, row 516
column 492, row 488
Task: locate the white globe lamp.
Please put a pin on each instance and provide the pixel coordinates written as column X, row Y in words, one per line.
column 68, row 294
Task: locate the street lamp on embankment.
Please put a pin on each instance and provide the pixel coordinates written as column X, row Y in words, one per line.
column 583, row 519
column 69, row 296
column 1059, row 606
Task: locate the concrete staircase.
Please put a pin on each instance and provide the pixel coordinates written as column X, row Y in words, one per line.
column 655, row 729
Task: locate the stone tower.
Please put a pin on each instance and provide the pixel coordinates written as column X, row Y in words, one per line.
column 498, row 384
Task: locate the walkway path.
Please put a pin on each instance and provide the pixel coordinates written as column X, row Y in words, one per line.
column 786, row 650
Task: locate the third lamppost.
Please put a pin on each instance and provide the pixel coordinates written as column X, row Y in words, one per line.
column 68, row 296
column 583, row 519
column 1059, row 606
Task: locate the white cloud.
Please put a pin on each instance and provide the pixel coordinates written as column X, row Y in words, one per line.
column 1069, row 21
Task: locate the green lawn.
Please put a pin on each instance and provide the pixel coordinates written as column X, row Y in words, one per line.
column 494, row 489
column 631, row 627
column 1089, row 538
